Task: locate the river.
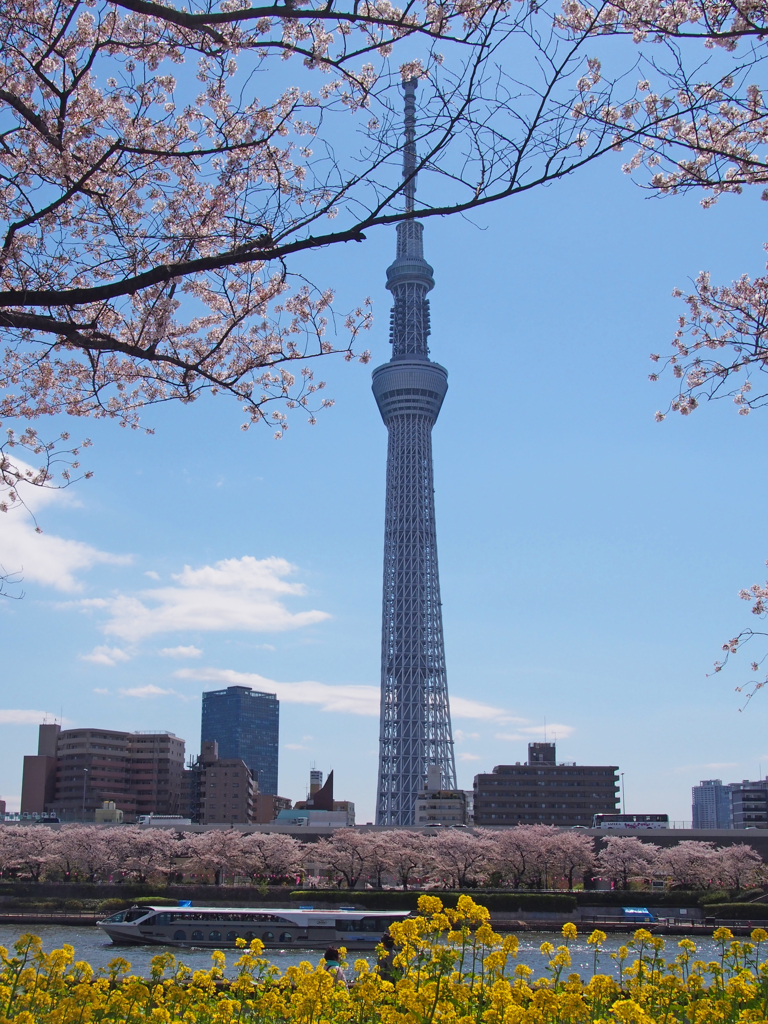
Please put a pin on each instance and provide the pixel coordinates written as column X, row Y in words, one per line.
column 92, row 945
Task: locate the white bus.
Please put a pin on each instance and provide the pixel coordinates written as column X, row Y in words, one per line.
column 633, row 821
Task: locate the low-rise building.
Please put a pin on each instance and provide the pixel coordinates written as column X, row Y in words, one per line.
column 108, row 814
column 267, row 807
column 543, row 792
column 437, row 806
column 321, row 798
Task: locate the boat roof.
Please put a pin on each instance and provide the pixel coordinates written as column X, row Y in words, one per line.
column 327, row 912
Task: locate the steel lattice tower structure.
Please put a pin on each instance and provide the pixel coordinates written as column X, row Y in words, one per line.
column 415, row 724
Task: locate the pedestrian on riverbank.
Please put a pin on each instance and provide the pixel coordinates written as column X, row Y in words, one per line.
column 386, row 962
column 333, row 966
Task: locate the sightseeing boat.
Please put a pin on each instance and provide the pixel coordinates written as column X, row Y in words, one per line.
column 220, row 928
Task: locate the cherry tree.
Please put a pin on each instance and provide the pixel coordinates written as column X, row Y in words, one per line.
column 460, row 857
column 523, row 855
column 30, row 848
column 345, row 853
column 690, row 865
column 410, row 855
column 95, row 855
column 272, row 855
column 626, row 857
column 378, row 855
column 543, row 866
column 218, row 851
column 84, row 852
column 740, row 866
column 514, row 848
column 144, row 853
column 156, row 209
column 705, row 75
column 573, row 854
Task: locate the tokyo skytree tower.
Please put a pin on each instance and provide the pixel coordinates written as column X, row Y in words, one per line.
column 415, row 724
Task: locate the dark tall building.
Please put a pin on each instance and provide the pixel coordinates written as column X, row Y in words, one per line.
column 245, row 724
column 543, row 792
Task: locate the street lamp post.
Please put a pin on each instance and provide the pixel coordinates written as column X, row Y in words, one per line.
column 85, row 779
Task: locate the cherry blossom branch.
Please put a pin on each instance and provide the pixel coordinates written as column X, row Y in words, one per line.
column 10, row 579
column 56, row 463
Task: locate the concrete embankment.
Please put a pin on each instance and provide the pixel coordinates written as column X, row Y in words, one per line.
column 67, row 918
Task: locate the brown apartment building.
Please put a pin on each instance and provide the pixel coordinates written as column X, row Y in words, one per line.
column 543, row 792
column 220, row 790
column 76, row 770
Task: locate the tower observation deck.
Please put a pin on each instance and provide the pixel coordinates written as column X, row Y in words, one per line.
column 415, row 723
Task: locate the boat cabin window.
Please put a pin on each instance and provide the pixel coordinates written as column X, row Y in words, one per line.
column 166, row 918
column 117, row 918
column 135, row 914
column 363, row 924
column 210, row 916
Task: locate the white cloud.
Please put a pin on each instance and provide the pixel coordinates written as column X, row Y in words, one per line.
column 353, row 699
column 236, row 593
column 711, row 764
column 44, row 557
column 148, row 691
column 463, row 708
column 152, row 574
column 470, row 757
column 99, row 689
column 12, row 717
column 460, row 736
column 48, row 559
column 180, row 652
column 106, row 656
column 555, row 731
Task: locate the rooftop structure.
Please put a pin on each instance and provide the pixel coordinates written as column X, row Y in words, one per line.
column 543, row 792
column 415, row 723
column 246, row 724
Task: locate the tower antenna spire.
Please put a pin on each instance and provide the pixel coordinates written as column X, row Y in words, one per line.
column 415, row 723
column 409, row 151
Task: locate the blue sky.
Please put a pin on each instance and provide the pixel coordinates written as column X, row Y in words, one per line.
column 590, row 558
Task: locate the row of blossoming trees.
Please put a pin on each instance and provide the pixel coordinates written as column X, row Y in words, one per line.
column 528, row 856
